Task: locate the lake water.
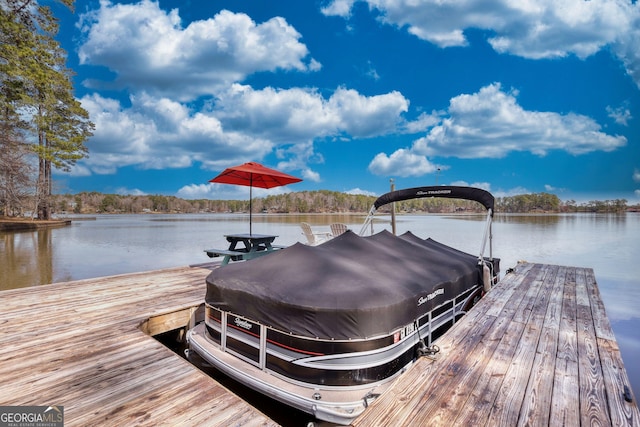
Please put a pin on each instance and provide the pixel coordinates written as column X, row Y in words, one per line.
column 116, row 244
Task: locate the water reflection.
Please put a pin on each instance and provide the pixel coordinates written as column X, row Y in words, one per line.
column 26, row 259
column 114, row 244
column 546, row 220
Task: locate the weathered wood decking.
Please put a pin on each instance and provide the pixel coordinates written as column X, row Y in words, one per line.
column 537, row 350
column 79, row 345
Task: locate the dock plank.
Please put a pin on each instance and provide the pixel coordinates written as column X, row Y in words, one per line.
column 564, row 411
column 476, row 364
column 538, row 350
column 79, row 344
column 537, row 397
column 594, row 410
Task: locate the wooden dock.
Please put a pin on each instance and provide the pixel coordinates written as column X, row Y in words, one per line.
column 538, row 350
column 80, row 345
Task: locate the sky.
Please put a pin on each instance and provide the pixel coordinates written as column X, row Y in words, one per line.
column 512, row 96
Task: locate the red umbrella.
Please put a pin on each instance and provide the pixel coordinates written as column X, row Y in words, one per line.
column 253, row 174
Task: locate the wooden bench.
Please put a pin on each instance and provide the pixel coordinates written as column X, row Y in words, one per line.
column 230, row 255
column 234, row 255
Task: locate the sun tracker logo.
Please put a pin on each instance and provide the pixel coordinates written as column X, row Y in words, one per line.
column 431, row 296
column 31, row 416
column 433, row 192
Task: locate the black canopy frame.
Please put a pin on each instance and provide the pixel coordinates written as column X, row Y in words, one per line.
column 447, row 191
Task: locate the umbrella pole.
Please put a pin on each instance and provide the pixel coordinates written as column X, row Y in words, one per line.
column 250, row 203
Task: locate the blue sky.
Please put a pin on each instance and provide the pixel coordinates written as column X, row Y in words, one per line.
column 508, row 95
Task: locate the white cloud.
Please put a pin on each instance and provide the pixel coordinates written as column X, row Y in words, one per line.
column 314, row 65
column 247, row 124
column 338, row 8
column 298, row 157
column 77, row 170
column 149, row 50
column 371, row 72
column 515, row 191
column 290, row 114
column 359, row 191
column 215, row 191
column 483, row 185
column 244, row 124
column 620, row 115
column 364, row 116
column 286, row 114
column 196, row 191
column 129, row 192
column 511, row 192
column 491, row 124
column 155, row 133
column 531, row 29
column 423, row 122
column 627, row 46
column 552, row 189
column 310, row 175
column 636, row 175
column 402, row 163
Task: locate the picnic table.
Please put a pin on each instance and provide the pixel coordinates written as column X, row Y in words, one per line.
column 245, row 246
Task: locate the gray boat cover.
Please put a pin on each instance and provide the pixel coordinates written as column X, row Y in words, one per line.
column 350, row 287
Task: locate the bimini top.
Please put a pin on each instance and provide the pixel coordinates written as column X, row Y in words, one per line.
column 351, row 287
column 468, row 193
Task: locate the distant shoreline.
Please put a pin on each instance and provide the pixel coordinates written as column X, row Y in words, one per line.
column 28, row 224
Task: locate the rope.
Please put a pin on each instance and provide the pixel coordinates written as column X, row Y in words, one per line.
column 423, row 349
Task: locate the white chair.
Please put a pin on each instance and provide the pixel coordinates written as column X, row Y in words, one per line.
column 337, row 229
column 313, row 238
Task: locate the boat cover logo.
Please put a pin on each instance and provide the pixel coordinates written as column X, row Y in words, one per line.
column 432, row 192
column 242, row 323
column 431, row 296
column 31, row 416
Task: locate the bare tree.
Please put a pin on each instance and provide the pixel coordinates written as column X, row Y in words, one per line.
column 16, row 174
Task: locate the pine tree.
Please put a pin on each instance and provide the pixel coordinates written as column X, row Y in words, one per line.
column 35, row 64
column 15, row 164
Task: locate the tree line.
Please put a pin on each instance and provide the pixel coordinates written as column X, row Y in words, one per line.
column 322, row 201
column 42, row 124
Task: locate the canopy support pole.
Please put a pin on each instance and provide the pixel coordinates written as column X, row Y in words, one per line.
column 487, row 233
column 368, row 220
